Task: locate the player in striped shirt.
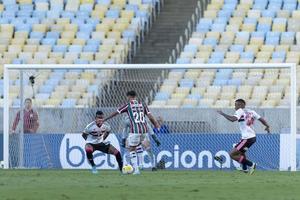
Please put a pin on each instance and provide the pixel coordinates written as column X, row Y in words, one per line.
column 145, row 144
column 136, row 111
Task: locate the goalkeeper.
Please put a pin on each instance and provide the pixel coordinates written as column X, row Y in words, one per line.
column 145, row 144
column 95, row 135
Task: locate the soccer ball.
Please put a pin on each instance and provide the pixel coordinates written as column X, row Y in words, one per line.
column 127, row 169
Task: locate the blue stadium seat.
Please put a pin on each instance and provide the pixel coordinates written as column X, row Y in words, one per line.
column 83, row 35
column 279, row 54
column 272, row 40
column 82, row 14
column 263, row 27
column 90, row 48
column 36, row 35
column 220, row 82
column 43, row 96
column 113, row 13
column 217, row 55
column 183, row 61
column 46, row 88
column 247, row 55
column 250, row 20
column 191, row 48
column 39, row 14
column 236, row 82
column 225, row 14
column 78, row 21
column 93, row 89
column 194, row 96
column 218, row 27
column 162, row 96
column 258, row 34
column 53, row 34
column 132, row 7
column 93, row 42
column 210, row 41
column 130, row 34
column 48, row 41
column 67, row 14
column 268, row 13
column 59, row 48
column 75, row 48
column 186, row 83
column 237, row 48
column 68, row 103
column 86, row 7
column 81, row 61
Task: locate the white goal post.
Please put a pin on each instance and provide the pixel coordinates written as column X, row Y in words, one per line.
column 291, row 66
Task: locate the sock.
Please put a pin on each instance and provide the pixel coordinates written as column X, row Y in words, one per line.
column 139, row 152
column 244, row 161
column 244, row 166
column 89, row 155
column 127, row 157
column 151, row 156
column 134, row 160
column 119, row 160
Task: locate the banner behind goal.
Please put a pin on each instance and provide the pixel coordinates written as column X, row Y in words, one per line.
column 186, row 97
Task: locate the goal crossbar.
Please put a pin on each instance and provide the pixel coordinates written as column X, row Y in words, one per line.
column 21, row 67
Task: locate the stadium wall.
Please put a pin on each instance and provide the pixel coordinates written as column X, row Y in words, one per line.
column 179, row 151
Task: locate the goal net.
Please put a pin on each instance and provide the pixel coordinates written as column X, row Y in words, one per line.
column 46, row 107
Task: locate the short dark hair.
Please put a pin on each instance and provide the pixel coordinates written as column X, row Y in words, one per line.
column 131, row 93
column 99, row 112
column 28, row 99
column 241, row 101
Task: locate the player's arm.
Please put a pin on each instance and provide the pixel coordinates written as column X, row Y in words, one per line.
column 36, row 121
column 153, row 120
column 265, row 123
column 111, row 115
column 153, row 135
column 105, row 128
column 16, row 122
column 84, row 135
column 231, row 118
column 119, row 111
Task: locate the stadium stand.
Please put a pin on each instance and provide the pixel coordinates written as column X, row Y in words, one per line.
column 70, row 32
column 232, row 31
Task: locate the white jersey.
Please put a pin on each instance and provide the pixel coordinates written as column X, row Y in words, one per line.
column 246, row 119
column 96, row 133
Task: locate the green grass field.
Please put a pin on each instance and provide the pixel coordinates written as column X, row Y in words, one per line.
column 171, row 185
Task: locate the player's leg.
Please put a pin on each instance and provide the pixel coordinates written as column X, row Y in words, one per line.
column 133, row 142
column 147, row 146
column 89, row 149
column 139, row 152
column 238, row 153
column 112, row 150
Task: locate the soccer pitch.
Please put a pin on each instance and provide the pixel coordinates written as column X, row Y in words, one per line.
column 212, row 185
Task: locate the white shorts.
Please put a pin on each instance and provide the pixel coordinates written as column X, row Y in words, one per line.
column 134, row 139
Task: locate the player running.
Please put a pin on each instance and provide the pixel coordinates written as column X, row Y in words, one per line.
column 95, row 135
column 246, row 118
column 136, row 112
column 145, row 144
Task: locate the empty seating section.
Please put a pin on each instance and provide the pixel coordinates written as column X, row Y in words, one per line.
column 70, row 32
column 232, row 31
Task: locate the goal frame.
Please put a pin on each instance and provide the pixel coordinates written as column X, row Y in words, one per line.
column 21, row 67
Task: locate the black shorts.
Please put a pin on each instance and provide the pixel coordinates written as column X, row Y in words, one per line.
column 245, row 144
column 100, row 147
